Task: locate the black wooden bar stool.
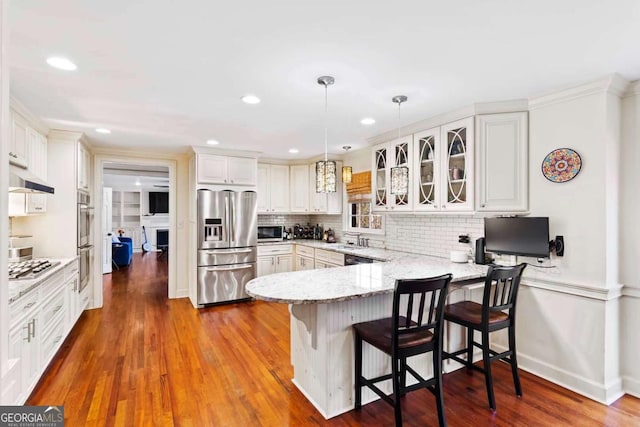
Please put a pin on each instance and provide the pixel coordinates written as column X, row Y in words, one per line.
column 497, row 311
column 418, row 331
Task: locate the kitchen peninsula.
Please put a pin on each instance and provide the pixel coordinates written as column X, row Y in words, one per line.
column 325, row 303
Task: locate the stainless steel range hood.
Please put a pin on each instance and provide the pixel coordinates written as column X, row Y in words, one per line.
column 23, row 181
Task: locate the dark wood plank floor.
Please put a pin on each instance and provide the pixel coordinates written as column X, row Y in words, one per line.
column 147, row 360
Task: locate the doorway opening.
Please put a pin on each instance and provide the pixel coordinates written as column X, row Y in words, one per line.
column 135, row 216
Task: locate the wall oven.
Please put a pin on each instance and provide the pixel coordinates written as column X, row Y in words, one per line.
column 85, row 240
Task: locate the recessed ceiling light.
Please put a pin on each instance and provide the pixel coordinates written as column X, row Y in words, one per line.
column 213, row 142
column 294, row 150
column 367, row 121
column 137, row 183
column 103, row 130
column 61, row 63
column 250, row 99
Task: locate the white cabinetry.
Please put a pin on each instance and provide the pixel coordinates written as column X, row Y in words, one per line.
column 84, row 168
column 18, row 147
column 386, row 156
column 274, row 259
column 304, row 258
column 39, row 323
column 328, row 259
column 300, row 188
column 37, row 163
column 502, row 171
column 28, row 150
column 214, row 169
column 273, row 188
column 443, row 178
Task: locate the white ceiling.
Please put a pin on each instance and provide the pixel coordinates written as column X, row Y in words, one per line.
column 165, row 74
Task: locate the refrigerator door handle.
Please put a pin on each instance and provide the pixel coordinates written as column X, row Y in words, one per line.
column 230, row 268
column 232, row 236
column 229, row 251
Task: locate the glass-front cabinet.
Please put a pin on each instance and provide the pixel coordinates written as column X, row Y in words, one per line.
column 457, row 160
column 426, row 188
column 443, row 165
column 387, row 156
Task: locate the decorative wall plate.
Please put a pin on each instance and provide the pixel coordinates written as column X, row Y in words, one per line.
column 561, row 165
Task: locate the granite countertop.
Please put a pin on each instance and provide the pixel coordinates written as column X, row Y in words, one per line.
column 19, row 288
column 355, row 281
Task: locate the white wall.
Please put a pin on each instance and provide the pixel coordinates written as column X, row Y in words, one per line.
column 630, row 241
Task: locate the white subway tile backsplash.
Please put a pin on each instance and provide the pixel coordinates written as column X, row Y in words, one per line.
column 420, row 234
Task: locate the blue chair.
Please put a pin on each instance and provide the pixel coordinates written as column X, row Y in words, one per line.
column 122, row 252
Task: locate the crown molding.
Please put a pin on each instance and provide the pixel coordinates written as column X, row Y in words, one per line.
column 35, row 122
column 633, row 89
column 613, row 84
column 510, row 106
column 226, row 152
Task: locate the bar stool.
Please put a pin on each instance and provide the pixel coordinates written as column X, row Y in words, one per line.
column 405, row 336
column 497, row 311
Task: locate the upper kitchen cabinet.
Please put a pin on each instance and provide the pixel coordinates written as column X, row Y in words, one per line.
column 273, row 188
column 18, row 147
column 299, row 188
column 84, row 168
column 502, row 162
column 387, row 156
column 215, row 169
column 29, row 149
column 427, row 160
column 456, row 173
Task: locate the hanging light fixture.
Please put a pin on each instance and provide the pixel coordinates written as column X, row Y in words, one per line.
column 347, row 171
column 325, row 169
column 399, row 174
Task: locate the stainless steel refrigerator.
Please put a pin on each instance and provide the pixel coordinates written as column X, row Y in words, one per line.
column 227, row 238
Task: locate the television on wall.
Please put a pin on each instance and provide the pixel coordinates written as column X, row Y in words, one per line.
column 525, row 236
column 158, row 202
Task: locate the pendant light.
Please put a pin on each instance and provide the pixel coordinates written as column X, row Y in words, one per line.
column 347, row 171
column 399, row 174
column 325, row 169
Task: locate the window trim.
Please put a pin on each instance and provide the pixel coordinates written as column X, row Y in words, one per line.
column 347, row 219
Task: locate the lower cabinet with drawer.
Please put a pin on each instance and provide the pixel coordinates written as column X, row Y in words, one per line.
column 274, row 259
column 328, row 259
column 39, row 323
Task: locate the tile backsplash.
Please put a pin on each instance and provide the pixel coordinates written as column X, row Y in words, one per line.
column 431, row 234
column 434, row 235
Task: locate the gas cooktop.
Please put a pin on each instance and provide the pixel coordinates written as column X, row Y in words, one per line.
column 30, row 269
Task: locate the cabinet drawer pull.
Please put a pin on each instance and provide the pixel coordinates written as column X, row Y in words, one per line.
column 57, row 340
column 57, row 309
column 31, row 304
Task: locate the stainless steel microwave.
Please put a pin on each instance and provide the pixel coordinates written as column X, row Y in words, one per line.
column 270, row 233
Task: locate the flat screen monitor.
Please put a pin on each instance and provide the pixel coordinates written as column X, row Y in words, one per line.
column 526, row 236
column 158, row 202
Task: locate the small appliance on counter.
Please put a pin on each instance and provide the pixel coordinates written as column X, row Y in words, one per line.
column 271, row 233
column 331, row 237
column 307, row 232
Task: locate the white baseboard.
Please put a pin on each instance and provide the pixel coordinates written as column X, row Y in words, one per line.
column 603, row 393
column 631, row 386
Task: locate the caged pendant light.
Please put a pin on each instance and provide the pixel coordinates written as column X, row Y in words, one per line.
column 347, row 171
column 399, row 174
column 325, row 169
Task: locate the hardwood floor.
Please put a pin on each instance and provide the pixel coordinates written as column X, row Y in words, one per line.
column 147, row 360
